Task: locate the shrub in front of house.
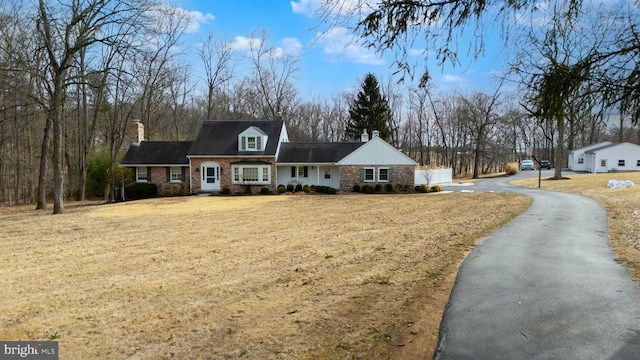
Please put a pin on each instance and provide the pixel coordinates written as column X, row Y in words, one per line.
column 416, row 188
column 399, row 188
column 282, row 189
column 388, row 188
column 140, row 191
column 226, row 191
column 356, row 188
column 326, row 190
column 378, row 188
column 435, row 188
column 298, row 187
column 290, row 188
column 265, row 191
column 312, row 188
column 306, row 189
column 424, row 188
column 407, row 188
column 183, row 191
column 367, row 189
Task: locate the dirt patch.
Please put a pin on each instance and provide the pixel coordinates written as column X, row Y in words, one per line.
column 262, row 277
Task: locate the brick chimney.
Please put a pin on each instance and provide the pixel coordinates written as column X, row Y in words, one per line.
column 135, row 132
column 365, row 136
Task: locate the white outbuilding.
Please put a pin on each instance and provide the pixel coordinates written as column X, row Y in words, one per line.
column 612, row 157
column 577, row 157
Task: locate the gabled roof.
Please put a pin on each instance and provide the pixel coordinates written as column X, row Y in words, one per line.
column 591, row 147
column 377, row 152
column 605, row 147
column 158, row 153
column 320, row 152
column 220, row 137
column 254, row 130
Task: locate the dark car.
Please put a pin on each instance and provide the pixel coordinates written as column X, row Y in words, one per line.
column 545, row 164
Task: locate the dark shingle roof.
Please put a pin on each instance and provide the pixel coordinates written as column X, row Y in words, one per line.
column 220, row 137
column 158, row 153
column 323, row 152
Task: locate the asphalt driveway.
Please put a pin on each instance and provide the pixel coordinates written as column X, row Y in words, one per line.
column 544, row 286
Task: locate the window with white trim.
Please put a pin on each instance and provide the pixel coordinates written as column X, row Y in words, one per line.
column 369, row 174
column 252, row 174
column 141, row 174
column 638, row 163
column 299, row 172
column 603, row 163
column 383, row 174
column 176, row 174
column 620, row 162
column 251, row 143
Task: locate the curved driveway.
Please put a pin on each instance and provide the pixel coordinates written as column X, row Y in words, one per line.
column 544, row 286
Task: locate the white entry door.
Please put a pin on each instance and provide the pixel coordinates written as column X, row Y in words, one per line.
column 210, row 176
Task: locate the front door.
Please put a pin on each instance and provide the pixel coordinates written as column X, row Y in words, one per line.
column 210, row 177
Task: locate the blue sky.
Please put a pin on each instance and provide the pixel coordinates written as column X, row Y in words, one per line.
column 330, row 61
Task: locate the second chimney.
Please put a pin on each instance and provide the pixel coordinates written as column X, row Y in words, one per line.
column 365, row 136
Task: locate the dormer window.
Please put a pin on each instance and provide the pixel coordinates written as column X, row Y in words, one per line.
column 252, row 139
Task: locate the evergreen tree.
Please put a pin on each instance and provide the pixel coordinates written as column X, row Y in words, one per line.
column 370, row 111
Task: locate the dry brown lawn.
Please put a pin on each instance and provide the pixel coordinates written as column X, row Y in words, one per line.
column 622, row 205
column 259, row 277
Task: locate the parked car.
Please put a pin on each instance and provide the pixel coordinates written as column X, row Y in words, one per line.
column 545, row 164
column 527, row 165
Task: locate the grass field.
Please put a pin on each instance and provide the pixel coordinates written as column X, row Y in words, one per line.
column 256, row 277
column 622, row 205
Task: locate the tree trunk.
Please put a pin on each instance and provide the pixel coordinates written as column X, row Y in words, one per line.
column 44, row 164
column 558, row 151
column 58, row 145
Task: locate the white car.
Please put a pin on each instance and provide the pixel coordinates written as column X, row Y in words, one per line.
column 527, row 165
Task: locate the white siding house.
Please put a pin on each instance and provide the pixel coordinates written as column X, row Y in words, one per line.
column 613, row 157
column 577, row 158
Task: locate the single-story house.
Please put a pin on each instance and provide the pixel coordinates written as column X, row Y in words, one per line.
column 613, row 157
column 234, row 154
column 577, row 156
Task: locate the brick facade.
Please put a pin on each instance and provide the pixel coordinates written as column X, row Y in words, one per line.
column 350, row 175
column 226, row 174
column 166, row 186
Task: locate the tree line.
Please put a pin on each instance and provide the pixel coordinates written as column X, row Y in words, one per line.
column 73, row 74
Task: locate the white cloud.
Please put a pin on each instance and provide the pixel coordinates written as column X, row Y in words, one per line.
column 333, row 7
column 196, row 18
column 166, row 17
column 242, row 43
column 417, row 52
column 340, row 43
column 305, row 7
column 291, row 46
column 452, row 79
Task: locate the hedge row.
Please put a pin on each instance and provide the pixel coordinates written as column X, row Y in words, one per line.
column 398, row 188
column 306, row 188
